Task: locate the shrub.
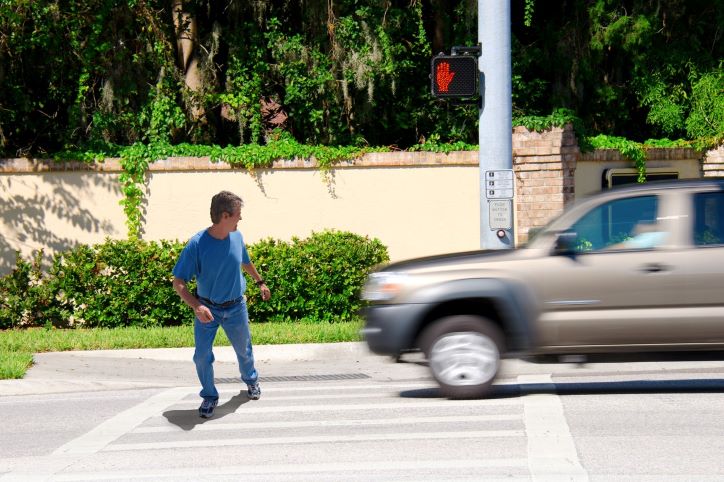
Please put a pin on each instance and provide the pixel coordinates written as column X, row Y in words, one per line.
column 128, row 283
column 117, row 283
column 23, row 294
column 317, row 278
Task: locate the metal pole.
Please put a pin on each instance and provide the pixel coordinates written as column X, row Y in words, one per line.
column 497, row 182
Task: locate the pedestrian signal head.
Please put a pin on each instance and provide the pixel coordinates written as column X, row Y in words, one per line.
column 454, row 76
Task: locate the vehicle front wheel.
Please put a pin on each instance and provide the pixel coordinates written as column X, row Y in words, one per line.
column 464, row 355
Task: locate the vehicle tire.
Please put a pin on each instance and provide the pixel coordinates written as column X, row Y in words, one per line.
column 463, row 353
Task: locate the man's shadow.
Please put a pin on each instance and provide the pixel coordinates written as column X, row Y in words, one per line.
column 188, row 419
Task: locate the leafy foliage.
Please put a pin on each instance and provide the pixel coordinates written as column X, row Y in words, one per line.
column 434, row 144
column 633, row 151
column 706, row 118
column 626, row 69
column 317, row 278
column 23, row 295
column 558, row 118
column 105, row 77
column 107, row 71
column 128, row 283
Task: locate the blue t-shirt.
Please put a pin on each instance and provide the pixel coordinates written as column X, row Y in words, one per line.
column 216, row 265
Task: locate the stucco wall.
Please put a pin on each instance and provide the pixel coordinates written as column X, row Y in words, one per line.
column 56, row 211
column 416, row 203
column 414, row 211
column 592, row 166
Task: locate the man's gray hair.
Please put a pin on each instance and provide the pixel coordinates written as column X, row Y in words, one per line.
column 224, row 202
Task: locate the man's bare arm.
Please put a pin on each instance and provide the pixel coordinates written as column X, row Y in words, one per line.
column 202, row 312
column 251, row 269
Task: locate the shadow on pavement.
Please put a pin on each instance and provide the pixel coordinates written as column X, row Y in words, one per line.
column 708, row 385
column 188, row 419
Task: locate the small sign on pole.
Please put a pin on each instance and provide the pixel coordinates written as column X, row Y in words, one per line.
column 500, row 213
column 499, row 191
column 499, row 184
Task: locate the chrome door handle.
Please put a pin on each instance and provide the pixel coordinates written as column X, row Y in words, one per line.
column 654, row 268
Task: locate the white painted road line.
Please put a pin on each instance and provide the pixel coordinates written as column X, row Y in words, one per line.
column 122, row 423
column 367, row 468
column 398, row 404
column 314, row 439
column 307, row 397
column 552, row 453
column 212, row 427
column 324, row 386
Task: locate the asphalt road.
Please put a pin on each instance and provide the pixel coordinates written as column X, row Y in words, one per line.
column 335, row 412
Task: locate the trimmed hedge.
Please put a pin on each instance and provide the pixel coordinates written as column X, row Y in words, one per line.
column 128, row 283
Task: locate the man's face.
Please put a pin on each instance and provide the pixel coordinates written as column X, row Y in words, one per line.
column 231, row 221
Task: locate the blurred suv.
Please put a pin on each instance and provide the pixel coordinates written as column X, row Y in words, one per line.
column 638, row 269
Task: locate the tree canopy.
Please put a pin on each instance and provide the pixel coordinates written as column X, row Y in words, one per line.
column 84, row 73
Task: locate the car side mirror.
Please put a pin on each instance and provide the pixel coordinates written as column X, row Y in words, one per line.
column 533, row 232
column 566, row 244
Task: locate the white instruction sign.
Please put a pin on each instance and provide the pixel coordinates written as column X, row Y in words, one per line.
column 500, row 213
column 499, row 184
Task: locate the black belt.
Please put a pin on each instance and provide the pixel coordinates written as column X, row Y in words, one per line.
column 225, row 304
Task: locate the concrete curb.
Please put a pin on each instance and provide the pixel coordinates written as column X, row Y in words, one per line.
column 262, row 353
column 64, row 380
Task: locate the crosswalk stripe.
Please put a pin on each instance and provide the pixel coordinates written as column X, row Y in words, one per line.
column 255, row 441
column 331, row 396
column 551, row 448
column 122, row 423
column 318, row 386
column 397, row 404
column 214, row 427
column 408, row 466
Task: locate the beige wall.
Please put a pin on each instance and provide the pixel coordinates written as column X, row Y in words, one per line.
column 590, row 166
column 416, row 203
column 416, row 206
column 55, row 211
column 414, row 211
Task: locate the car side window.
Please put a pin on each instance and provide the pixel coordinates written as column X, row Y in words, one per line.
column 620, row 224
column 708, row 218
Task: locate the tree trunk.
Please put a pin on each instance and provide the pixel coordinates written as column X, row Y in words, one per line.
column 186, row 41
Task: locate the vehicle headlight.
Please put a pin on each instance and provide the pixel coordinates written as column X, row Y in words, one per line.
column 383, row 286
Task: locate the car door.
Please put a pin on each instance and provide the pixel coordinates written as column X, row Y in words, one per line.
column 701, row 292
column 620, row 280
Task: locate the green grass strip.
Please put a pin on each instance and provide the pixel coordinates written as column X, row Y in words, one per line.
column 14, row 364
column 17, row 346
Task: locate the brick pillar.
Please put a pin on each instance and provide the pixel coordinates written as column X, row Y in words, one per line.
column 712, row 165
column 544, row 164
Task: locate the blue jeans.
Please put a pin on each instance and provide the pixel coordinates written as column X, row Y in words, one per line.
column 235, row 322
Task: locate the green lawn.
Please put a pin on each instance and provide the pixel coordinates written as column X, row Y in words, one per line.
column 17, row 346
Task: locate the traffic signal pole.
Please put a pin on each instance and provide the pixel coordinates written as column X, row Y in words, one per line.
column 497, row 181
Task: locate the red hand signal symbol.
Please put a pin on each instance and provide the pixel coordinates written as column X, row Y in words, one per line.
column 443, row 76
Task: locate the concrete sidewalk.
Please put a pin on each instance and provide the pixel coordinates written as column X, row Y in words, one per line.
column 78, row 371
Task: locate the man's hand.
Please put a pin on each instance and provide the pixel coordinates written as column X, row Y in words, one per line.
column 265, row 292
column 203, row 314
